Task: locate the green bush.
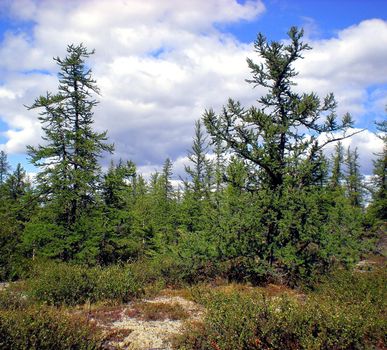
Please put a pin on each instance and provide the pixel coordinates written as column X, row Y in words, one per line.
column 114, row 283
column 178, row 269
column 251, row 320
column 148, row 276
column 67, row 284
column 46, row 329
column 146, row 271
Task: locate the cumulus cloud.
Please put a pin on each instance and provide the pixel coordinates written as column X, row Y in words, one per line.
column 348, row 65
column 367, row 144
column 159, row 64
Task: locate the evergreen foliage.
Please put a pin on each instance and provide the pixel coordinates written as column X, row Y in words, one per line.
column 337, row 171
column 378, row 207
column 260, row 202
column 17, row 206
column 354, row 179
column 4, row 166
column 118, row 192
column 284, row 166
column 68, row 159
column 197, row 189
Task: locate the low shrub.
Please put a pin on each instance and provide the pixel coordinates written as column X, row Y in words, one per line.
column 115, row 283
column 179, row 271
column 359, row 288
column 240, row 320
column 13, row 300
column 67, row 284
column 45, row 329
column 148, row 275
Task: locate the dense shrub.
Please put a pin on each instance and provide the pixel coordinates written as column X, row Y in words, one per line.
column 67, row 284
column 250, row 320
column 45, row 329
column 114, row 283
column 146, row 272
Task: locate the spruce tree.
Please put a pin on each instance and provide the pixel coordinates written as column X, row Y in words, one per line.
column 118, row 241
column 162, row 208
column 199, row 163
column 166, row 175
column 378, row 207
column 269, row 137
column 68, row 158
column 17, row 207
column 354, row 178
column 17, row 183
column 198, row 186
column 280, row 146
column 337, row 171
column 4, row 166
column 167, row 204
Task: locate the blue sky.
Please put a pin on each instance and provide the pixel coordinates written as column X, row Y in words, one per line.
column 150, row 101
column 325, row 17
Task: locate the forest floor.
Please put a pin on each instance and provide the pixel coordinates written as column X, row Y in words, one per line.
column 151, row 324
column 154, row 322
column 147, row 324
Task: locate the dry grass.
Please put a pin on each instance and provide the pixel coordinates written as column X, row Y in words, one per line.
column 270, row 290
column 202, row 293
column 157, row 311
column 149, row 310
column 378, row 260
column 235, row 287
column 182, row 292
column 107, row 314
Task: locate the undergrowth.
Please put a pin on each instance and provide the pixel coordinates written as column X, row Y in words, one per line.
column 46, row 328
column 347, row 312
column 67, row 284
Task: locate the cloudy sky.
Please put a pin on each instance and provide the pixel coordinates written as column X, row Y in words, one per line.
column 161, row 63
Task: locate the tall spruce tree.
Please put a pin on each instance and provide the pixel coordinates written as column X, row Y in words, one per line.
column 166, row 175
column 269, row 137
column 279, row 143
column 68, row 158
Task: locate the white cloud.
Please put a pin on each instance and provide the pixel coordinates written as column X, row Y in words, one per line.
column 159, row 64
column 367, row 144
column 347, row 65
column 6, row 93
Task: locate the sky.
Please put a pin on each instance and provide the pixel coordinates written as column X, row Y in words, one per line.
column 161, row 63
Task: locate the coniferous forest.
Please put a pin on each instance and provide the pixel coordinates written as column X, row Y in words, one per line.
column 261, row 204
